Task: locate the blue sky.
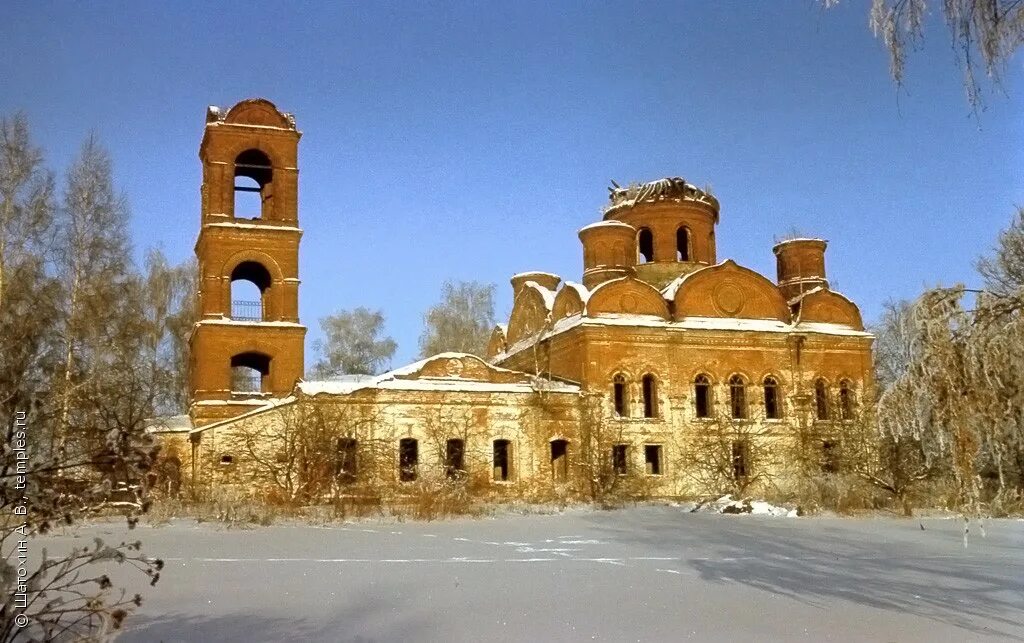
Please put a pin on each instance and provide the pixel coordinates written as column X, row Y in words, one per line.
column 471, row 141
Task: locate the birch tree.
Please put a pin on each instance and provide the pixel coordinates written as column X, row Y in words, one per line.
column 93, row 266
column 462, row 321
column 353, row 344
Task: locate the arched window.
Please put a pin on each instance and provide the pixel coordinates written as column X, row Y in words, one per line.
column 650, row 386
column 738, row 397
column 846, row 402
column 683, row 244
column 250, row 372
column 645, row 245
column 702, row 396
column 772, row 401
column 253, row 182
column 821, row 400
column 620, row 396
column 250, row 282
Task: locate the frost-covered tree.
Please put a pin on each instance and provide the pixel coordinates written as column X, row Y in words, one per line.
column 984, row 33
column 353, row 344
column 462, row 321
column 1003, row 272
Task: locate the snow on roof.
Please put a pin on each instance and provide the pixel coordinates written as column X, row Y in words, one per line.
column 241, row 322
column 685, row 324
column 398, row 379
column 529, row 273
column 548, row 295
column 169, row 424
column 827, row 328
column 785, row 241
column 559, row 327
column 251, row 226
column 266, row 405
column 444, row 384
column 607, row 223
column 254, row 401
column 580, row 289
column 799, row 298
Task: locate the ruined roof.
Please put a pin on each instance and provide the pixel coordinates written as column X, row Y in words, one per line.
column 168, row 424
column 442, row 372
column 667, row 189
column 251, row 111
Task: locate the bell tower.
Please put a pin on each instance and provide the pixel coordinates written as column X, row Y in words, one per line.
column 247, row 345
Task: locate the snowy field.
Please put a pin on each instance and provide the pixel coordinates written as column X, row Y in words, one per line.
column 643, row 574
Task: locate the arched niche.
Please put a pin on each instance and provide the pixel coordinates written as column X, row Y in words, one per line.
column 627, row 296
column 827, row 306
column 732, row 291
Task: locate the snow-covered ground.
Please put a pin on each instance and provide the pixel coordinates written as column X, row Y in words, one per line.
column 649, row 573
column 732, row 506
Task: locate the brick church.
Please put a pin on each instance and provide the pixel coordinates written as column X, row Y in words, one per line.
column 662, row 372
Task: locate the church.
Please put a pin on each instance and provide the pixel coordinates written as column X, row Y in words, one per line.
column 663, row 372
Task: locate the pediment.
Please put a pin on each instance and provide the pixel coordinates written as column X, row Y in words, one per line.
column 462, row 367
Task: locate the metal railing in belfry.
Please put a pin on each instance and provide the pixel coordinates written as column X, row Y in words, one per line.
column 247, row 310
column 246, row 383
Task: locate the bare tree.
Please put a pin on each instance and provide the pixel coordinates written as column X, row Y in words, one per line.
column 1003, row 272
column 309, row 450
column 456, row 460
column 71, row 596
column 75, row 390
column 729, row 455
column 353, row 343
column 608, row 461
column 462, row 321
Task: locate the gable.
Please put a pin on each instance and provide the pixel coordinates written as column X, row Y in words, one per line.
column 569, row 301
column 464, row 367
column 827, row 306
column 627, row 296
column 529, row 312
column 729, row 290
